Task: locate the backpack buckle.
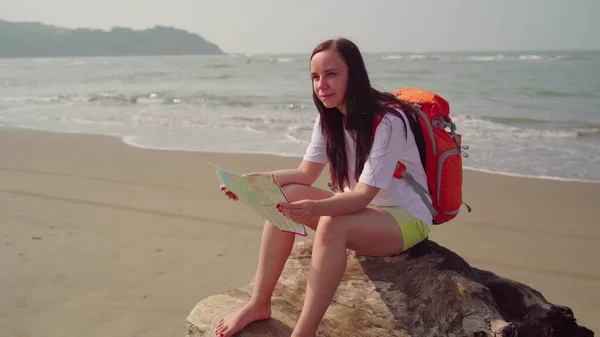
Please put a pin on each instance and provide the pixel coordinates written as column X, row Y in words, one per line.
column 400, row 169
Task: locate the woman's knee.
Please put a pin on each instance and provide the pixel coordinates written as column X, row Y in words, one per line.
column 293, row 191
column 329, row 229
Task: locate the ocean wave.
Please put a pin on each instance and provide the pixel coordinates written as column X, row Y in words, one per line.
column 238, row 127
column 512, row 120
column 218, row 65
column 76, row 63
column 411, row 57
column 475, row 58
column 487, row 58
column 110, row 97
column 98, row 98
column 299, row 133
column 300, row 127
column 281, row 122
column 133, row 77
column 542, row 134
column 276, row 60
column 290, row 106
column 150, row 98
column 509, row 128
column 225, row 102
column 524, row 57
column 31, row 99
column 214, row 77
column 392, row 57
column 531, row 57
column 294, row 139
column 284, row 60
column 569, row 129
column 250, row 119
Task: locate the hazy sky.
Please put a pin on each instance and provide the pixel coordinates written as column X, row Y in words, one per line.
column 288, row 26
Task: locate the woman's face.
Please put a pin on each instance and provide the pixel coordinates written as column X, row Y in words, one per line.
column 329, row 75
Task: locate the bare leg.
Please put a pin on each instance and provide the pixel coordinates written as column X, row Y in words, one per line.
column 371, row 232
column 328, row 265
column 275, row 249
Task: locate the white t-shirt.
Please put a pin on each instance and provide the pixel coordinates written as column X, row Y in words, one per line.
column 390, row 145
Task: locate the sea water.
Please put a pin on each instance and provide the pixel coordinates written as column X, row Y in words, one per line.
column 523, row 113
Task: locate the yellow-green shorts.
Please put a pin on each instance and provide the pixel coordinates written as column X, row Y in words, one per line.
column 414, row 230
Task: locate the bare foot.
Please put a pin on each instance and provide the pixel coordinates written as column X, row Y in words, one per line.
column 236, row 321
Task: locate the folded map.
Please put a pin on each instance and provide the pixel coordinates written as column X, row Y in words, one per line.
column 261, row 193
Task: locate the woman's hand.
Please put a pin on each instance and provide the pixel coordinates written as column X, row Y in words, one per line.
column 299, row 211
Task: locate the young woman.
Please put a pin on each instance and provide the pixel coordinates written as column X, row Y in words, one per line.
column 376, row 214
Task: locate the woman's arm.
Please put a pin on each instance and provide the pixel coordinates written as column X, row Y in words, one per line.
column 346, row 203
column 340, row 204
column 306, row 174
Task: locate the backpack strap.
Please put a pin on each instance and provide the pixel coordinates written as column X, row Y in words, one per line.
column 388, row 107
column 376, row 121
column 421, row 191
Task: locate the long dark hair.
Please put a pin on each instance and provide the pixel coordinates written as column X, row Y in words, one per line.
column 362, row 102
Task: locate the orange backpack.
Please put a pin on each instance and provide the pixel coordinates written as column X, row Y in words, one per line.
column 440, row 149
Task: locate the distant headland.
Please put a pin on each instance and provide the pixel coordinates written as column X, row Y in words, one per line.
column 34, row 39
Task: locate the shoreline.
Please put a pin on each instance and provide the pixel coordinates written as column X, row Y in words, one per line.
column 123, row 139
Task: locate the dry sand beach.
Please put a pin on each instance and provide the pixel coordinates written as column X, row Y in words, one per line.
column 98, row 238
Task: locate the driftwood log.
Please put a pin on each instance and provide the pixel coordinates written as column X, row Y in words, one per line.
column 426, row 291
